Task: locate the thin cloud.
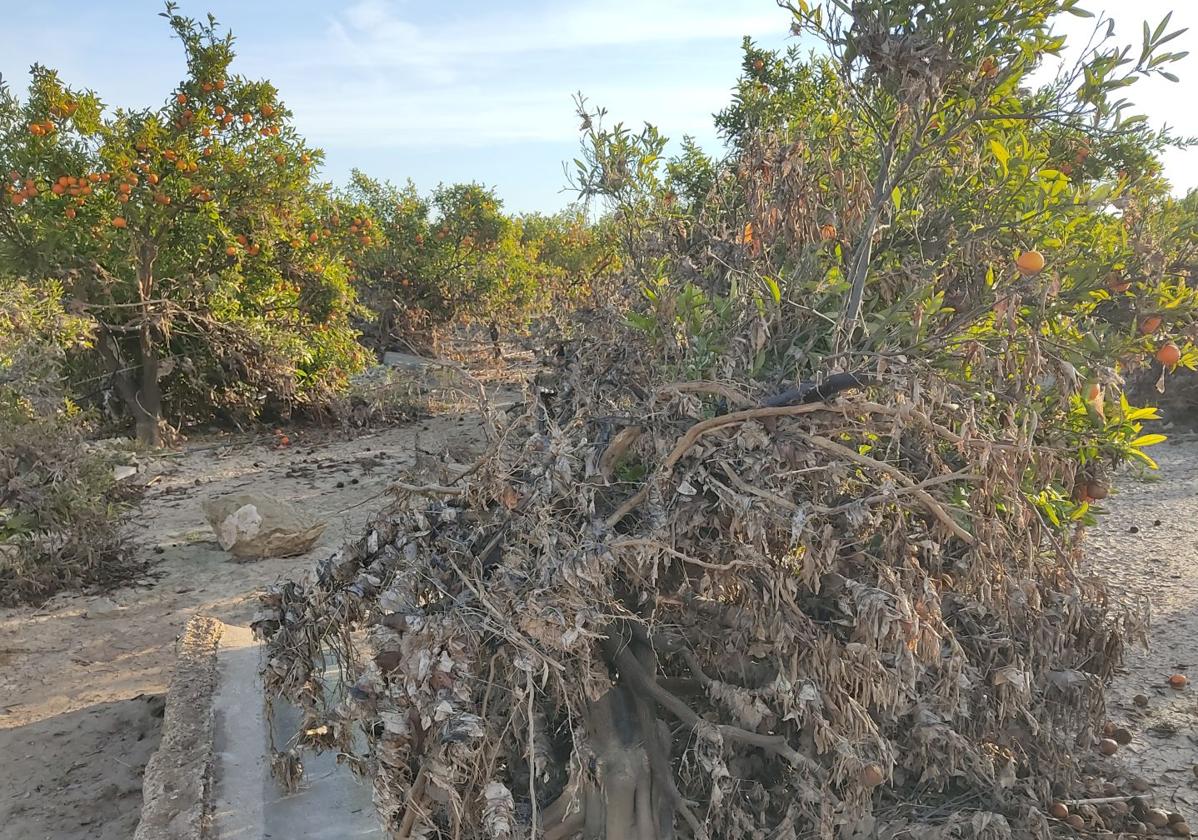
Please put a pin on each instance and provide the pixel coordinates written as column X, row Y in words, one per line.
column 382, row 33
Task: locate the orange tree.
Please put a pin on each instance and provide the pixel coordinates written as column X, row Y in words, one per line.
column 893, row 575
column 575, row 258
column 434, row 260
column 193, row 233
column 882, row 194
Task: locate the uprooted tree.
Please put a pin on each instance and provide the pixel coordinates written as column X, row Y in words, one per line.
column 194, row 234
column 792, row 548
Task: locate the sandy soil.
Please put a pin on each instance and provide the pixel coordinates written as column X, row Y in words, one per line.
column 81, row 678
column 1148, row 548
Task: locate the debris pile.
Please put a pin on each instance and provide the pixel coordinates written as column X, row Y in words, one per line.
column 662, row 607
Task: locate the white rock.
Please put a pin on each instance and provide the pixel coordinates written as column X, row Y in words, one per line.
column 123, row 471
column 250, row 526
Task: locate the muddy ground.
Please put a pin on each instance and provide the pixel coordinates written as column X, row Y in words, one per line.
column 81, row 678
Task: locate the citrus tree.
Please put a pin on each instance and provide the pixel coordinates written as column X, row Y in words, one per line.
column 575, row 258
column 439, row 258
column 794, row 544
column 194, row 233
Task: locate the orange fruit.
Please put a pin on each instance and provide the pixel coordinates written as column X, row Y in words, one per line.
column 70, row 212
column 152, row 178
column 280, row 160
column 313, row 237
column 1150, row 324
column 1179, row 681
column 247, row 118
column 206, row 87
column 18, row 199
column 1030, row 262
column 119, row 222
column 231, row 251
column 219, row 110
column 162, row 198
column 206, row 131
column 268, row 110
column 220, row 84
column 241, row 239
column 94, row 177
column 254, row 249
column 124, row 189
column 1169, row 354
column 105, row 177
column 181, row 98
column 122, row 198
column 827, row 232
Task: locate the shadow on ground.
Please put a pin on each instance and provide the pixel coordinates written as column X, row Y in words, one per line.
column 95, row 790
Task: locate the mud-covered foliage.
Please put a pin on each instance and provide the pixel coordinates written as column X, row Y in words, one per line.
column 792, row 548
column 59, row 507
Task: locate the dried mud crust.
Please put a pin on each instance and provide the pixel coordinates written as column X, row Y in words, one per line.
column 1148, row 547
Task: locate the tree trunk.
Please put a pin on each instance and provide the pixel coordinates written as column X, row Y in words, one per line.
column 142, row 396
column 148, row 410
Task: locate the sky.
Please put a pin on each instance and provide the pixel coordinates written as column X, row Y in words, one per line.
column 474, row 90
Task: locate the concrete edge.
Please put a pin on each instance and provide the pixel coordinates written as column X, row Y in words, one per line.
column 177, row 786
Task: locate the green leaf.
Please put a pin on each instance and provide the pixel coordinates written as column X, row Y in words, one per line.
column 1149, row 440
column 1139, row 454
column 896, row 195
column 1001, row 154
column 774, row 288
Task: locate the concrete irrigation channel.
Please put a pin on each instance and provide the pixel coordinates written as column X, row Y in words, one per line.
column 210, row 778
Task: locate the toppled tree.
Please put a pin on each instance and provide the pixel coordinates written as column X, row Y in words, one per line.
column 194, row 234
column 792, row 549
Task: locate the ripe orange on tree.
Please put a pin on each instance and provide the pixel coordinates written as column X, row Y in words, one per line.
column 1169, row 354
column 1150, row 324
column 1030, row 262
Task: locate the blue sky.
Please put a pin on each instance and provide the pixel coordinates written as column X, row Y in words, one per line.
column 468, row 90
